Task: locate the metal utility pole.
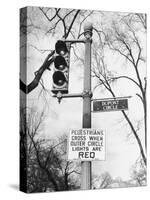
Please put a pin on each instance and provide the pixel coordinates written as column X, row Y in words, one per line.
column 87, row 94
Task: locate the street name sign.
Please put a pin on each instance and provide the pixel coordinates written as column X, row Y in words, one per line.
column 86, row 145
column 110, row 105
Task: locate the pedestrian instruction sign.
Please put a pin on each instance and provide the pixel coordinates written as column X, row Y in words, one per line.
column 86, row 144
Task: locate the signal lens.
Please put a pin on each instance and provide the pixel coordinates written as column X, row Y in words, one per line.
column 59, row 78
column 60, row 63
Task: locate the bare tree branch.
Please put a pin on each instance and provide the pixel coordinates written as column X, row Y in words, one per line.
column 45, row 14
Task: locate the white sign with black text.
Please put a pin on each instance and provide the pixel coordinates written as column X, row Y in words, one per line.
column 86, row 144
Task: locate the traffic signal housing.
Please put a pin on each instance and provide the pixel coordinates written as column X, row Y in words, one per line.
column 60, row 76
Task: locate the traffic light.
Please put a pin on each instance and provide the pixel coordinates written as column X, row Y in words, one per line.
column 61, row 67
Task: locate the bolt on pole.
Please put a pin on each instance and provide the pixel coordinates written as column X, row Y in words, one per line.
column 86, row 165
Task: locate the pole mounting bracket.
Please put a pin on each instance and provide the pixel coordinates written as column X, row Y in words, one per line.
column 87, row 93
